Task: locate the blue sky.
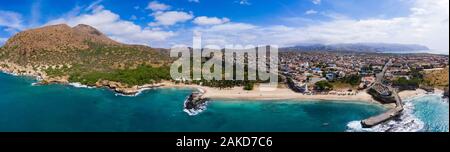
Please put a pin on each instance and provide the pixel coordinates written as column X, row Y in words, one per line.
column 164, row 23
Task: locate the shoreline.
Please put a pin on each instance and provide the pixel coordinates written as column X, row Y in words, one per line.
column 238, row 93
column 42, row 79
column 418, row 93
column 281, row 94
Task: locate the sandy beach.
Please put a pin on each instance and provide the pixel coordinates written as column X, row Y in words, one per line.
column 278, row 94
column 287, row 94
column 409, row 94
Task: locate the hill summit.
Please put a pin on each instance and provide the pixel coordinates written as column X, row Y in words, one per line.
column 63, row 54
column 57, row 38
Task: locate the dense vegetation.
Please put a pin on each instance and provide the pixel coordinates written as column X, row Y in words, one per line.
column 248, row 86
column 97, row 56
column 141, row 75
column 404, row 84
column 414, row 81
column 130, row 65
column 222, row 84
column 323, row 86
column 353, row 80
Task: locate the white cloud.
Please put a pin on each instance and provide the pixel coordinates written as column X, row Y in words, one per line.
column 427, row 25
column 204, row 20
column 335, row 16
column 157, row 6
column 11, row 20
column 2, row 41
column 317, row 2
column 232, row 27
column 244, row 2
column 116, row 28
column 35, row 13
column 229, row 33
column 133, row 17
column 170, row 18
column 310, row 12
column 94, row 5
column 194, row 1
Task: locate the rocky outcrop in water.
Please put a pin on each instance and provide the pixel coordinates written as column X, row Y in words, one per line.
column 195, row 103
column 118, row 87
column 55, row 80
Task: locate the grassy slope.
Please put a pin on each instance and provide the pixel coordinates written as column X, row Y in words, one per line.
column 437, row 78
column 132, row 65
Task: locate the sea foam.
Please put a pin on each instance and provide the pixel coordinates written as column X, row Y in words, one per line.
column 79, row 85
column 139, row 92
column 193, row 112
column 407, row 122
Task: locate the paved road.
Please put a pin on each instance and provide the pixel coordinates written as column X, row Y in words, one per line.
column 380, row 75
column 375, row 120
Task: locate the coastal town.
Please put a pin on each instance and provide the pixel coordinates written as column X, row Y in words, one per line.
column 303, row 75
column 347, row 73
column 225, row 74
column 380, row 78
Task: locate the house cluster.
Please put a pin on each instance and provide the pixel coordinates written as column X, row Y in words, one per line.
column 307, row 68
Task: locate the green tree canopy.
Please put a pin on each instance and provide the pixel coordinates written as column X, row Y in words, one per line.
column 323, row 86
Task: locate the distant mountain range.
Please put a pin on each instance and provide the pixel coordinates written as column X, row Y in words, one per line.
column 360, row 47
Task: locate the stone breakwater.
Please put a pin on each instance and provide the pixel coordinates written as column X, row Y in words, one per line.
column 44, row 79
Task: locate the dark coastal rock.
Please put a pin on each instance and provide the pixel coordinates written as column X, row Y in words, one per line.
column 118, row 87
column 189, row 105
column 427, row 88
column 55, row 80
column 194, row 101
column 445, row 93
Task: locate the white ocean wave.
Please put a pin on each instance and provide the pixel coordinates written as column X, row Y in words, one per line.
column 198, row 110
column 9, row 73
column 193, row 112
column 139, row 92
column 125, row 95
column 79, row 85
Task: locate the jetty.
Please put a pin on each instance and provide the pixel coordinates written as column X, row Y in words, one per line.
column 390, row 114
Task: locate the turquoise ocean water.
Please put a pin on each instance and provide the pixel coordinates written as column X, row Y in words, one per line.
column 433, row 112
column 24, row 107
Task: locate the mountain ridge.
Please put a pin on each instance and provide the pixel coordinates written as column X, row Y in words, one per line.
column 56, row 38
column 360, row 47
column 83, row 54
